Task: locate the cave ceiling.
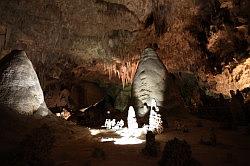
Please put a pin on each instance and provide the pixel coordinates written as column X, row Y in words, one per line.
column 102, row 35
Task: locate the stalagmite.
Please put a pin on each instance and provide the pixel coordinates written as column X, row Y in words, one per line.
column 155, row 122
column 20, row 89
column 149, row 81
column 132, row 123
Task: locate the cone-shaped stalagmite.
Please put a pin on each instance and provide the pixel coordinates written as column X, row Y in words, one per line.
column 149, row 81
column 20, row 89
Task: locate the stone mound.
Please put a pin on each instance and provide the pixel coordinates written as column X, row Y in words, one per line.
column 20, row 89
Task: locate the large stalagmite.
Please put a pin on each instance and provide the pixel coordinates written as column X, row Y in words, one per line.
column 149, row 81
column 20, row 89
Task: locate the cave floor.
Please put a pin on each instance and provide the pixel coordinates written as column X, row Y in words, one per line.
column 74, row 145
column 233, row 147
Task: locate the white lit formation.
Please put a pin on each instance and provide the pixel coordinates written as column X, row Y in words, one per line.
column 112, row 125
column 132, row 122
column 155, row 122
column 131, row 134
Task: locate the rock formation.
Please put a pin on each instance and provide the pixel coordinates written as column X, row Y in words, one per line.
column 176, row 152
column 20, row 89
column 149, row 81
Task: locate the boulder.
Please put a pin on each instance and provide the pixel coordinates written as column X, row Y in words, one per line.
column 177, row 153
column 20, row 89
column 149, row 81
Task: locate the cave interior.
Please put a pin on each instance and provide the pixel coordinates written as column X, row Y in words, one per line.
column 124, row 82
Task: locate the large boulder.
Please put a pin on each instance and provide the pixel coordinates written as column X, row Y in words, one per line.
column 149, row 81
column 20, row 89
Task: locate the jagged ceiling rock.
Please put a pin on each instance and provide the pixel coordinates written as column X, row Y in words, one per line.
column 238, row 78
column 110, row 31
column 20, row 89
column 96, row 29
column 141, row 8
column 65, row 26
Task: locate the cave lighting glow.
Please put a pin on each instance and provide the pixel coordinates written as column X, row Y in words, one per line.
column 127, row 136
column 95, row 131
column 123, row 140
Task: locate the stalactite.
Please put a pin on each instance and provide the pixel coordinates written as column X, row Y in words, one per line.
column 124, row 71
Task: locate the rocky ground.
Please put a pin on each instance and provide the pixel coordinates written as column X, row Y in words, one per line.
column 68, row 144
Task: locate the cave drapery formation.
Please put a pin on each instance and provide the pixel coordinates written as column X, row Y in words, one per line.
column 103, row 39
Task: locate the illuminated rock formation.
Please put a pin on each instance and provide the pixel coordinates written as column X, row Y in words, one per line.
column 155, row 122
column 132, row 122
column 149, row 81
column 20, row 89
column 238, row 78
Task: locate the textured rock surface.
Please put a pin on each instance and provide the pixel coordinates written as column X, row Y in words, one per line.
column 74, row 96
column 176, row 153
column 123, row 99
column 85, row 29
column 94, row 30
column 149, row 81
column 86, row 36
column 20, row 89
column 238, row 78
